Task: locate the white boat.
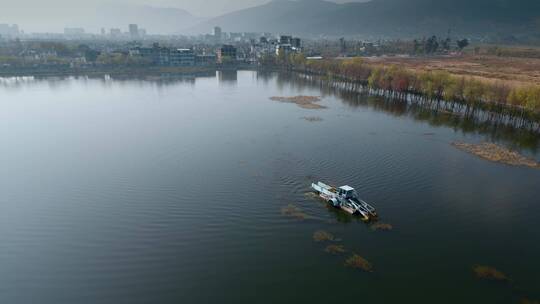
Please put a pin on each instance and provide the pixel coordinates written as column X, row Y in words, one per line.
column 345, row 198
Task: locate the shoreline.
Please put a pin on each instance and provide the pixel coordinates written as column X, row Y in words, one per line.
column 108, row 70
column 513, row 116
column 498, row 113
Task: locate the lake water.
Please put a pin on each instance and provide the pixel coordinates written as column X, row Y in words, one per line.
column 170, row 190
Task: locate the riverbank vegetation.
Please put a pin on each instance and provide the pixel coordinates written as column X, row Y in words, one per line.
column 434, row 85
column 529, row 52
column 433, row 114
column 485, row 67
column 500, row 101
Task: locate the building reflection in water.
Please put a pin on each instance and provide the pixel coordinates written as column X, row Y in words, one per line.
column 227, row 77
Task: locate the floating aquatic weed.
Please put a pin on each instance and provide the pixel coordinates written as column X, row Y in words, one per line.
column 335, row 249
column 312, row 195
column 489, row 273
column 356, row 261
column 306, row 102
column 322, row 236
column 293, row 211
column 381, row 226
column 312, row 118
column 496, row 153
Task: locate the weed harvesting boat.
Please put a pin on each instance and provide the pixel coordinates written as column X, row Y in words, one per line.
column 345, row 198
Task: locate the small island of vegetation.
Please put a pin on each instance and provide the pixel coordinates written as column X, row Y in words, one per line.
column 306, row 102
column 496, row 153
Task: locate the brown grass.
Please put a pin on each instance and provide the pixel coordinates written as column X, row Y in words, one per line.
column 489, row 273
column 305, row 102
column 529, row 301
column 356, row 261
column 496, row 153
column 322, row 236
column 381, row 226
column 335, row 249
column 488, row 68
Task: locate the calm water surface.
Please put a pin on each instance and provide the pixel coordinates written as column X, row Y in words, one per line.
column 170, row 191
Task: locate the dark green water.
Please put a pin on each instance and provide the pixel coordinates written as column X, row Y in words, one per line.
column 170, row 191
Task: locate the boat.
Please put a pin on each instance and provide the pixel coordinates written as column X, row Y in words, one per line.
column 345, row 198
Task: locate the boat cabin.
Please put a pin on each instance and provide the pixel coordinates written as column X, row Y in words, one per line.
column 347, row 192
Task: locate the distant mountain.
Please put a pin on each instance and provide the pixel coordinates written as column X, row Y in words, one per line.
column 387, row 18
column 155, row 20
column 275, row 16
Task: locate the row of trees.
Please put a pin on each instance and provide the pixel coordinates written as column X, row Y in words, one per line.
column 434, row 45
column 31, row 52
column 433, row 85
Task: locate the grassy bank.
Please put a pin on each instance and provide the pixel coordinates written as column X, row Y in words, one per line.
column 514, row 71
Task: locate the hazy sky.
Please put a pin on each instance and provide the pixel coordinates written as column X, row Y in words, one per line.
column 54, row 15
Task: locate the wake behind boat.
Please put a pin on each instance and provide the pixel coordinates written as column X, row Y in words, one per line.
column 345, row 198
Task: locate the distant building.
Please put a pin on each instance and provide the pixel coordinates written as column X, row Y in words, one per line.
column 217, row 34
column 205, row 59
column 103, row 31
column 283, row 39
column 283, row 49
column 73, row 31
column 182, row 57
column 235, row 36
column 151, row 54
column 164, row 56
column 288, row 44
column 134, row 30
column 115, row 32
column 226, row 53
column 37, row 54
column 296, row 43
column 342, row 45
